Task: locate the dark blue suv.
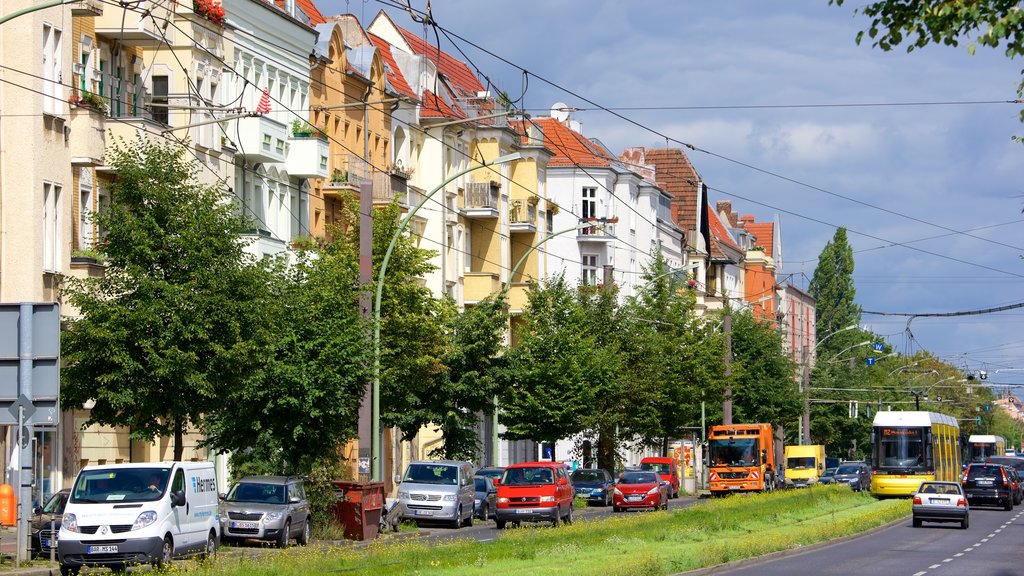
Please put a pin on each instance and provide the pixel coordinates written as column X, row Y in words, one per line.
column 594, row 484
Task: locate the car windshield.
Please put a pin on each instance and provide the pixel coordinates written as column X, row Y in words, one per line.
column 490, row 472
column 120, row 485
column 444, row 474
column 828, row 472
column 55, row 505
column 588, row 476
column 527, row 476
column 479, row 484
column 848, row 470
column 656, row 467
column 734, row 452
column 899, row 447
column 257, row 492
column 800, row 462
column 638, row 478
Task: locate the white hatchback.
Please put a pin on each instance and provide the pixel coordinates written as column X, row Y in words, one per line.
column 941, row 502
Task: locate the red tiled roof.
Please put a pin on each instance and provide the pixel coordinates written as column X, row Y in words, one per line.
column 764, row 235
column 570, row 147
column 457, row 72
column 395, row 76
column 676, row 175
column 308, row 7
column 434, row 107
column 719, row 234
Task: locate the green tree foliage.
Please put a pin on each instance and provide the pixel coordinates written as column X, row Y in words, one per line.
column 764, row 387
column 991, row 23
column 833, row 288
column 302, row 403
column 179, row 314
column 473, row 359
column 611, row 407
column 554, row 373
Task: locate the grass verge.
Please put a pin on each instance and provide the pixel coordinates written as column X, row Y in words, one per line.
column 706, row 534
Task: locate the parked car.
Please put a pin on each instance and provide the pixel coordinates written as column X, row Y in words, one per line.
column 534, row 492
column 643, row 489
column 667, row 469
column 493, row 472
column 46, row 523
column 269, row 508
column 857, row 475
column 594, row 484
column 941, row 502
column 988, row 484
column 829, row 476
column 437, row 490
column 485, row 497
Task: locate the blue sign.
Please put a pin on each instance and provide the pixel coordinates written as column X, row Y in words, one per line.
column 878, row 346
column 870, row 361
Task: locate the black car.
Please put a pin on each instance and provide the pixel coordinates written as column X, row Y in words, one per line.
column 44, row 535
column 855, row 474
column 594, row 484
column 988, row 484
column 1017, row 464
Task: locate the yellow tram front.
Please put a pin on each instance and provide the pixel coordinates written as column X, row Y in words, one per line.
column 909, row 448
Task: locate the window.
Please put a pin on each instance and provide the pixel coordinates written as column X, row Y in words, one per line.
column 53, row 92
column 51, row 226
column 86, row 234
column 468, row 252
column 160, row 92
column 589, row 276
column 588, row 205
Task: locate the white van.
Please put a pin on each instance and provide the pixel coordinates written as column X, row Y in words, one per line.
column 123, row 514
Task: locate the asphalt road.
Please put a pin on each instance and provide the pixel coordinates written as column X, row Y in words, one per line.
column 486, row 531
column 992, row 546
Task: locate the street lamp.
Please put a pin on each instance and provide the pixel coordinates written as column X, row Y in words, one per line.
column 804, row 428
column 858, row 345
column 376, row 462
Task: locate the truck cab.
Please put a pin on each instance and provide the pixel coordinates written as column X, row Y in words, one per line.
column 742, row 458
column 804, row 464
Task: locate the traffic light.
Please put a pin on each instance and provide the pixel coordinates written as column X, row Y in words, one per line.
column 977, row 420
column 854, row 405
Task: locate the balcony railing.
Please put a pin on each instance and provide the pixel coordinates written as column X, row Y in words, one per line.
column 481, row 199
column 387, row 187
column 522, row 218
column 602, row 231
column 477, row 107
column 307, row 157
column 87, row 8
column 143, row 25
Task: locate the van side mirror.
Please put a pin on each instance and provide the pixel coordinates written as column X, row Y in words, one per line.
column 562, row 481
column 222, row 496
column 497, row 481
column 178, row 498
column 37, row 510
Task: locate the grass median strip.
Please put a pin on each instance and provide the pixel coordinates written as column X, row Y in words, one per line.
column 706, row 534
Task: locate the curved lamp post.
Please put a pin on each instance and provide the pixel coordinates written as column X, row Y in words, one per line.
column 376, row 462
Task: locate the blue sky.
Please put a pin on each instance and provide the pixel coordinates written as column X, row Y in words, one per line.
column 928, row 170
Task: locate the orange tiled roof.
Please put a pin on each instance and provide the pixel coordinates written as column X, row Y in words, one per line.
column 395, row 76
column 456, row 71
column 434, row 107
column 676, row 175
column 570, row 147
column 764, row 234
column 720, row 235
column 307, row 6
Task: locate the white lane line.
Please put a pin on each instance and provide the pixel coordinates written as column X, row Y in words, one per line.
column 921, row 573
column 948, row 560
column 934, row 566
column 993, row 535
column 968, row 549
column 485, row 540
column 985, row 539
column 998, row 530
column 958, row 554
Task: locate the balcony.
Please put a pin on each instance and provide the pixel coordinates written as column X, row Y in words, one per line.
column 603, row 231
column 479, row 285
column 481, row 200
column 87, row 8
column 522, row 221
column 261, row 139
column 143, row 24
column 130, row 127
column 88, row 145
column 518, row 296
column 307, row 157
column 387, row 187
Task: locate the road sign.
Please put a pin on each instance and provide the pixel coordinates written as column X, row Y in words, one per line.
column 870, row 360
column 30, row 363
column 878, row 346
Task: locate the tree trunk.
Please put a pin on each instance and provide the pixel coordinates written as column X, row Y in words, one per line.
column 606, row 450
column 664, row 447
column 179, row 440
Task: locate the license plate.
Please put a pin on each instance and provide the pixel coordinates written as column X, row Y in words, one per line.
column 47, row 543
column 734, row 487
column 424, row 512
column 634, row 498
column 984, row 482
column 246, row 525
column 941, row 500
column 100, row 549
column 523, row 511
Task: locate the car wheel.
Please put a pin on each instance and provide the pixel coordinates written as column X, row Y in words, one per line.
column 917, row 522
column 468, row 522
column 1009, row 504
column 307, row 531
column 166, row 553
column 555, row 519
column 457, row 523
column 484, row 514
column 568, row 517
column 282, row 540
column 965, row 523
column 664, row 505
column 499, row 524
column 66, row 570
column 616, row 509
column 211, row 546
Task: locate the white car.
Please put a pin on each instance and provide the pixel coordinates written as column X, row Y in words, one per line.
column 941, row 502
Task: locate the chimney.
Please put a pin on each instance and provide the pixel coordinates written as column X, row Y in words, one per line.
column 723, row 206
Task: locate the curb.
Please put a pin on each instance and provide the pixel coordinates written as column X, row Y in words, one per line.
column 708, row 570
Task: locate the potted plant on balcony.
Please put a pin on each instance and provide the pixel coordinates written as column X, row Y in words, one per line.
column 87, row 257
column 533, row 200
column 88, row 100
column 306, row 243
column 339, row 177
column 303, row 129
column 210, row 9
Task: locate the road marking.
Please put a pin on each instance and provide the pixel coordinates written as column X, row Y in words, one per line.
column 485, row 540
column 958, row 554
column 921, row 573
column 934, row 566
column 968, row 549
column 998, row 530
column 986, row 539
column 948, row 560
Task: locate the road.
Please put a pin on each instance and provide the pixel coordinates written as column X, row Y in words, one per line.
column 990, row 547
column 487, row 531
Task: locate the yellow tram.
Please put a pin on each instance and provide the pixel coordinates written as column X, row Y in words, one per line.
column 911, row 447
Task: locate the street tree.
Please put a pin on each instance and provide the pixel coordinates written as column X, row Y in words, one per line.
column 833, row 289
column 764, row 385
column 178, row 316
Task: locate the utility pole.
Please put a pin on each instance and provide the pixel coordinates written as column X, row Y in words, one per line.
column 805, row 419
column 727, row 401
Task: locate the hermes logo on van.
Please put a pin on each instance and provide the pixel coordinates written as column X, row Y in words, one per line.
column 203, row 485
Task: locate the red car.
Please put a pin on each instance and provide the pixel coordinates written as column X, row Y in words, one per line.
column 534, row 492
column 667, row 469
column 640, row 489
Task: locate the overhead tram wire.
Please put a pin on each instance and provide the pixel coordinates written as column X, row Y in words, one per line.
column 667, row 108
column 668, row 138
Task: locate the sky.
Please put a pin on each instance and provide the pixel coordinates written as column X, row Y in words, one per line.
column 911, row 152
